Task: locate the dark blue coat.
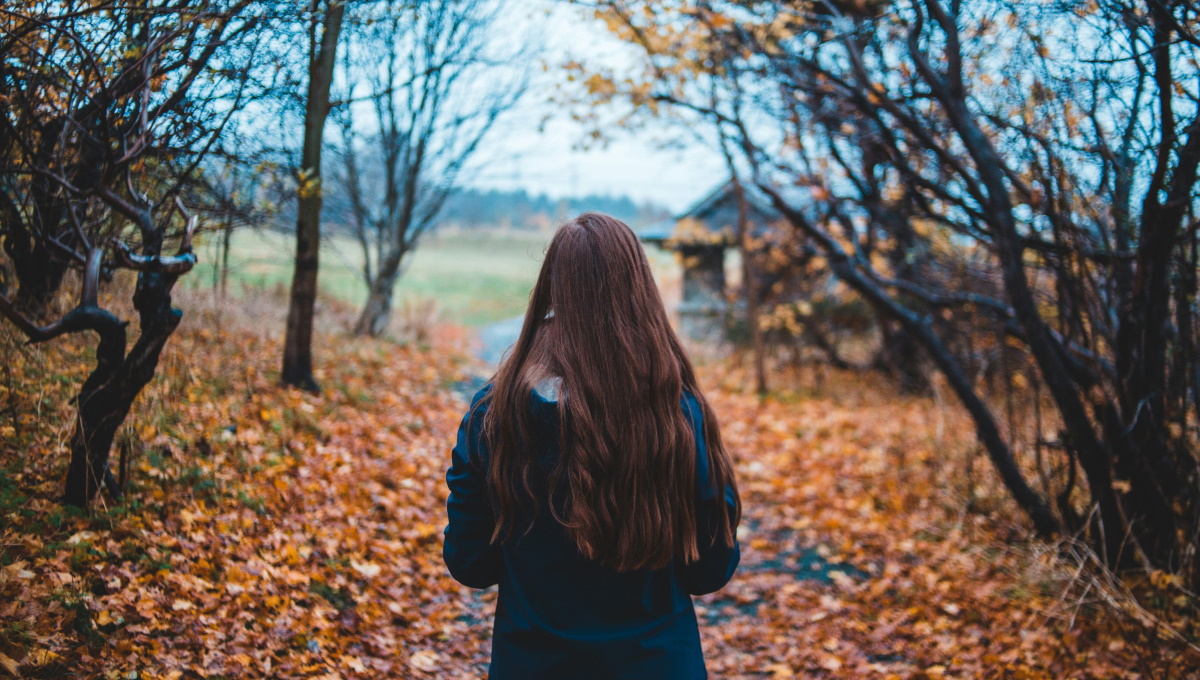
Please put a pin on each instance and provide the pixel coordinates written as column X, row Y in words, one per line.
column 559, row 615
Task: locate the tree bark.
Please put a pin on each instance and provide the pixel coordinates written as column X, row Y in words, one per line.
column 377, row 312
column 899, row 356
column 39, row 271
column 221, row 266
column 297, row 351
column 751, row 293
column 109, row 392
column 1147, row 457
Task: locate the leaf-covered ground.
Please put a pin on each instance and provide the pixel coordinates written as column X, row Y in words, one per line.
column 275, row 534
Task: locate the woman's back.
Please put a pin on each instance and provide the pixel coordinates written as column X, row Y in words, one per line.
column 559, row 614
column 601, row 506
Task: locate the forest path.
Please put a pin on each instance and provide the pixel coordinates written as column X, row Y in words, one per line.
column 496, row 338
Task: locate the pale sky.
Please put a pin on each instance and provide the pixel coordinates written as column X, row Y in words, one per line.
column 550, row 160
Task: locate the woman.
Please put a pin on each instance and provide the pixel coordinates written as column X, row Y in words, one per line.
column 589, row 479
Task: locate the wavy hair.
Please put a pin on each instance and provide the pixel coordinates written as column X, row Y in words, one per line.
column 625, row 483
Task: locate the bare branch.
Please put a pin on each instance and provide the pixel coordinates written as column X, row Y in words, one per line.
column 159, row 264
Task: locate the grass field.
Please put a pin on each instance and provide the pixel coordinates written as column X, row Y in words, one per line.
column 475, row 278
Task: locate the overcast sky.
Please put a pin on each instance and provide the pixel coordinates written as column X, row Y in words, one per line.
column 524, row 153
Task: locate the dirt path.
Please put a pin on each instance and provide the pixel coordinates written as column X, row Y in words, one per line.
column 496, row 338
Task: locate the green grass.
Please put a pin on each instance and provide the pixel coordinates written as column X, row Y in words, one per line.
column 476, row 278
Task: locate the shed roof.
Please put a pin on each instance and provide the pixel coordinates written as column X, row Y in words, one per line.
column 656, row 231
column 716, row 212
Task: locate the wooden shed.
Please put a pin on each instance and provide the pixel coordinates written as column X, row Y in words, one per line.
column 701, row 235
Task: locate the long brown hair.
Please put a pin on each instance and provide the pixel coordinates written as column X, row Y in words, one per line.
column 626, row 475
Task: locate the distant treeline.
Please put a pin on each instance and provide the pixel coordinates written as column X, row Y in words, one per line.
column 478, row 209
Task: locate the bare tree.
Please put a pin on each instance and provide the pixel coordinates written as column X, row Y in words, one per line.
column 109, row 110
column 917, row 135
column 235, row 188
column 424, row 80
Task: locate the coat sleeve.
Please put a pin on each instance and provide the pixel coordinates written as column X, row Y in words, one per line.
column 468, row 551
column 717, row 561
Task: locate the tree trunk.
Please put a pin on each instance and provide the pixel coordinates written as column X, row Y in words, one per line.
column 226, row 244
column 39, row 269
column 297, row 349
column 377, row 312
column 899, row 354
column 1148, row 457
column 751, row 293
column 221, row 266
column 39, row 272
column 108, row 394
column 757, row 342
column 900, row 357
column 813, row 334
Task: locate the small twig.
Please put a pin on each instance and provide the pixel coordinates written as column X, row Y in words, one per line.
column 90, row 294
column 185, row 247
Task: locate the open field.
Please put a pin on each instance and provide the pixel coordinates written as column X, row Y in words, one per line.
column 475, row 277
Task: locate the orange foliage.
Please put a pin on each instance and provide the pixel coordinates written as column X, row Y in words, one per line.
column 271, row 533
column 873, row 547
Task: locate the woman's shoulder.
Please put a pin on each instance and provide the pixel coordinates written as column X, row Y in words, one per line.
column 480, row 399
column 547, row 389
column 543, row 399
column 479, row 406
